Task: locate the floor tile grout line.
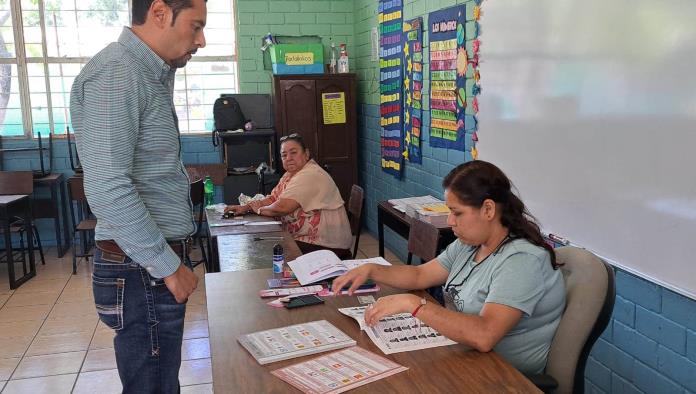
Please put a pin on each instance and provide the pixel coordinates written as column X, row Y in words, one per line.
column 37, row 333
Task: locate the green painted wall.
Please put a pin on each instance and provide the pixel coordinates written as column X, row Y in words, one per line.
column 323, row 18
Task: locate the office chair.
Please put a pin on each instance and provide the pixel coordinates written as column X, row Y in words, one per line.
column 590, row 295
column 355, row 207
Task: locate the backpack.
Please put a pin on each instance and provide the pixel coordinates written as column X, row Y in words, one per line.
column 228, row 114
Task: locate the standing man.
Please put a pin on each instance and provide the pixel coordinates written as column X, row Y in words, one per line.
column 127, row 137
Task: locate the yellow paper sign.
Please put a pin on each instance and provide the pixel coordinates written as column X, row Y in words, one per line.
column 334, row 105
column 299, row 58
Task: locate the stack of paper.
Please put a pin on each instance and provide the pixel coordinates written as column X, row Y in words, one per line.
column 339, row 371
column 294, row 341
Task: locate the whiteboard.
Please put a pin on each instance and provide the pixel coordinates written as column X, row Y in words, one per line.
column 589, row 106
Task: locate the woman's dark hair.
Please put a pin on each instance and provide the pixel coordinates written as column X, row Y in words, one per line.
column 476, row 181
column 140, row 8
column 293, row 137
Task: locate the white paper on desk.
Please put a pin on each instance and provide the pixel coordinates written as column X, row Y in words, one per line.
column 324, row 264
column 398, row 333
column 229, row 223
column 268, row 223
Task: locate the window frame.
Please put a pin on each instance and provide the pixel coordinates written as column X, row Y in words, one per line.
column 21, row 61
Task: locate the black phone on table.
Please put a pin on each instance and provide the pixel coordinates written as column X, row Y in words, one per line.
column 304, row 300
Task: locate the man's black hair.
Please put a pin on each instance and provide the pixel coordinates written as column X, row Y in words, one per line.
column 140, row 8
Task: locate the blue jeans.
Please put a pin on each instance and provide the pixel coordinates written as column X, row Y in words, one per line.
column 148, row 321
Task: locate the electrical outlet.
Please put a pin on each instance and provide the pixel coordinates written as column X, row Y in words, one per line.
column 374, row 56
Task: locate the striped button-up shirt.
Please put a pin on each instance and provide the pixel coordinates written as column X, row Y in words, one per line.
column 127, row 137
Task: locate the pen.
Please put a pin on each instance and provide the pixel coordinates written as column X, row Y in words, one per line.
column 268, row 238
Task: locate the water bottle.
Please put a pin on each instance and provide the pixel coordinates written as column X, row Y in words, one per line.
column 332, row 64
column 208, row 191
column 343, row 60
column 278, row 260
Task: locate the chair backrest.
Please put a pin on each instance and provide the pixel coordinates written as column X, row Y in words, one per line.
column 77, row 189
column 423, row 239
column 590, row 295
column 355, row 207
column 16, row 182
column 197, row 192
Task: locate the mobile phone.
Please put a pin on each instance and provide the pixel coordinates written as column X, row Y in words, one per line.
column 369, row 284
column 304, row 300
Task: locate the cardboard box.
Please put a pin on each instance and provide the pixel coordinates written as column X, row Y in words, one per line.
column 297, row 59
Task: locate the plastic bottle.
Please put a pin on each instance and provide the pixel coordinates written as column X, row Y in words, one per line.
column 208, row 191
column 343, row 60
column 278, row 260
column 332, row 65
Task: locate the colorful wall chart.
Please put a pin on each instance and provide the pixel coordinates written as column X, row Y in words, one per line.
column 390, row 86
column 413, row 87
column 448, row 67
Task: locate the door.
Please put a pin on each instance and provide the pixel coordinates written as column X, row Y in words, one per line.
column 337, row 141
column 299, row 111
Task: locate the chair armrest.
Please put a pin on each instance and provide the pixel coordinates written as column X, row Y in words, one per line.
column 545, row 383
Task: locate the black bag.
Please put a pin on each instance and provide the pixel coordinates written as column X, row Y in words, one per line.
column 228, row 114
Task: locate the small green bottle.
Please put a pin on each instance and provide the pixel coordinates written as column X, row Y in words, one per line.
column 208, row 191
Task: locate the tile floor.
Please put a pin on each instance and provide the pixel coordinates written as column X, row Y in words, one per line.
column 51, row 340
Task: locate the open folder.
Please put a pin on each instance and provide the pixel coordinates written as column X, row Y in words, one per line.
column 324, row 264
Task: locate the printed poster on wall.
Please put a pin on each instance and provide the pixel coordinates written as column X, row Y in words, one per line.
column 448, row 66
column 413, row 88
column 390, row 86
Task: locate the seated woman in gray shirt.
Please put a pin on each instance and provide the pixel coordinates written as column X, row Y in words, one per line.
column 503, row 290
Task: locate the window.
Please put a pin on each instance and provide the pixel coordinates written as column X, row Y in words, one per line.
column 59, row 36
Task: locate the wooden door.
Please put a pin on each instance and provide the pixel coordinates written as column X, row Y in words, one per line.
column 298, row 110
column 337, row 142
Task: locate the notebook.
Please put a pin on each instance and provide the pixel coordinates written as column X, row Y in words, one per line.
column 294, row 341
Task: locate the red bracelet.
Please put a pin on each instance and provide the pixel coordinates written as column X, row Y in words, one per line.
column 422, row 303
column 416, row 310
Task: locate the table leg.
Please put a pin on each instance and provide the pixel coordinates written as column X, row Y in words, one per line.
column 64, row 213
column 380, row 230
column 214, row 258
column 30, row 244
column 9, row 252
column 56, row 219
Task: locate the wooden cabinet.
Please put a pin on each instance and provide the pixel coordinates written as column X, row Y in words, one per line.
column 299, row 109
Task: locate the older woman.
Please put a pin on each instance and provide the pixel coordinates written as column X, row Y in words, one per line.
column 307, row 201
column 503, row 290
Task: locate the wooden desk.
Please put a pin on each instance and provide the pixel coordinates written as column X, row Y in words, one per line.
column 9, row 206
column 234, row 309
column 401, row 223
column 213, row 218
column 241, row 252
column 54, row 208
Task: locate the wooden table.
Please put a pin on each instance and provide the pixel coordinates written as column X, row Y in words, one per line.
column 213, row 219
column 234, row 309
column 241, row 252
column 401, row 223
column 9, row 206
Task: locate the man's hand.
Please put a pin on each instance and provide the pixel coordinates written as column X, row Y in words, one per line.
column 181, row 283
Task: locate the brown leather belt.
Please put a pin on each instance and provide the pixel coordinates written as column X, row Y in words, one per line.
column 179, row 247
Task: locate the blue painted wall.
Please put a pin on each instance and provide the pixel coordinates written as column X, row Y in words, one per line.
column 195, row 150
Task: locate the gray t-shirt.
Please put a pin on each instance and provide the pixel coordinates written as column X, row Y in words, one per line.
column 518, row 275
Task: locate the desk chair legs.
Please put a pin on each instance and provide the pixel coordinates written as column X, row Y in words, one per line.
column 37, row 243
